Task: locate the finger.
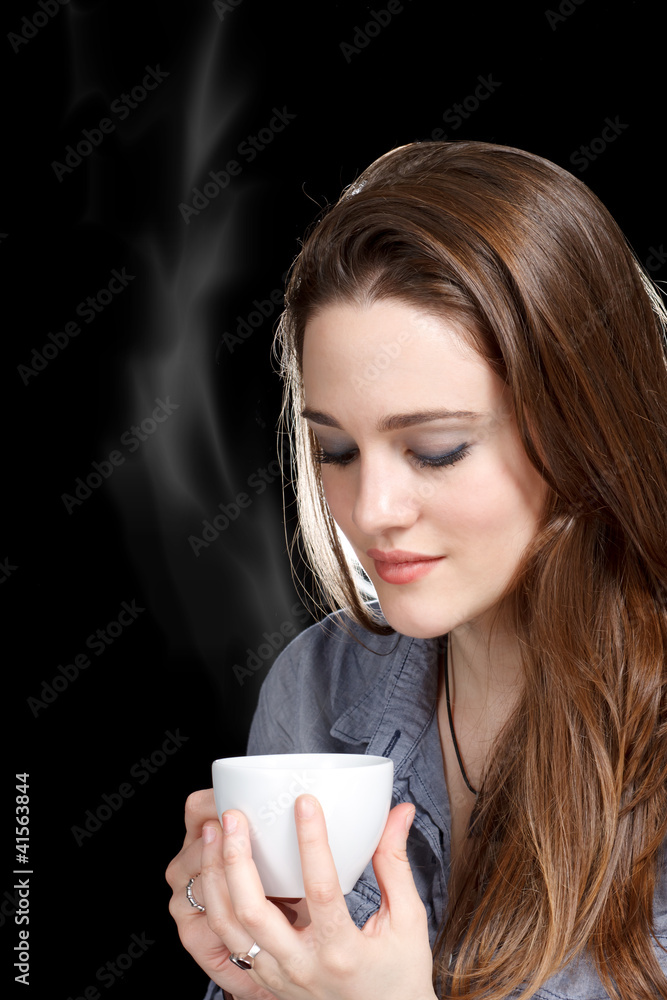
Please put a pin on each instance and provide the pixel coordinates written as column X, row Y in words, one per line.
column 392, row 867
column 214, row 890
column 205, row 935
column 194, row 931
column 256, row 918
column 325, row 898
column 199, row 934
column 183, row 867
column 199, row 807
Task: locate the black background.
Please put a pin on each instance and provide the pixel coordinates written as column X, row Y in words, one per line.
column 555, row 78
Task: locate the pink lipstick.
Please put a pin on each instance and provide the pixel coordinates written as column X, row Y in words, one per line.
column 399, row 566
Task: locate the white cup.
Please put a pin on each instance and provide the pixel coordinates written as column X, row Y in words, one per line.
column 354, row 791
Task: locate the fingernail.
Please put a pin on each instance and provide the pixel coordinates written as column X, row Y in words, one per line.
column 408, row 820
column 208, row 834
column 228, row 823
column 305, row 806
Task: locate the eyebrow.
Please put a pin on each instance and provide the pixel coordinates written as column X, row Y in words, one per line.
column 396, row 421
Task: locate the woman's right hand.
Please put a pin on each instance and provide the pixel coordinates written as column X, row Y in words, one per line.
column 207, row 946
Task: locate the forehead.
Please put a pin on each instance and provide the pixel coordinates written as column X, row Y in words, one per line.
column 391, row 351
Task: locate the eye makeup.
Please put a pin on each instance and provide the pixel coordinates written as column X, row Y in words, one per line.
column 323, row 457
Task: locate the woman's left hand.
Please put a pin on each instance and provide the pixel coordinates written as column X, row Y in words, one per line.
column 330, row 958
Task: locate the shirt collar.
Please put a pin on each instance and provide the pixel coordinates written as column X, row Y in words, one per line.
column 392, row 716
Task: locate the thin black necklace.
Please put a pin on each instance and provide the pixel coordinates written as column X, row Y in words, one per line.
column 451, row 721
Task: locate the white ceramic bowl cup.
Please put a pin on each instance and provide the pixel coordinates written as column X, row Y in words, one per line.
column 354, row 791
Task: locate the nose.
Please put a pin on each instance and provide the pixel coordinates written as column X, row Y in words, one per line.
column 386, row 497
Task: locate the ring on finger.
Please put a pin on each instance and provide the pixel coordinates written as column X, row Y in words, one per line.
column 191, row 899
column 246, row 961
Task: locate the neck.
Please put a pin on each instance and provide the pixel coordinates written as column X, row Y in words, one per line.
column 486, row 677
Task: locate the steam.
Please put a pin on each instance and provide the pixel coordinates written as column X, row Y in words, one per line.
column 186, row 472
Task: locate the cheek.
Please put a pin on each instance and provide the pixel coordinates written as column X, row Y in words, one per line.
column 491, row 507
column 338, row 496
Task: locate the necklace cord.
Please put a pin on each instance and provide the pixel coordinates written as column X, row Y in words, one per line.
column 451, row 722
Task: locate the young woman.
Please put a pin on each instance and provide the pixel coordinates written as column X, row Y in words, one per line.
column 476, row 385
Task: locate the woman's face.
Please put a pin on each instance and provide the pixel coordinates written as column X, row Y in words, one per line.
column 403, row 479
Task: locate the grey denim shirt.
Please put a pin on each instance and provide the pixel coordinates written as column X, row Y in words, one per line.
column 327, row 693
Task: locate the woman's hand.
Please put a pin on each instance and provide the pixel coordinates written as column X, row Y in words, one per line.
column 330, row 959
column 207, row 947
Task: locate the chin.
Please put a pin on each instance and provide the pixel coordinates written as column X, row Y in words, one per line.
column 417, row 626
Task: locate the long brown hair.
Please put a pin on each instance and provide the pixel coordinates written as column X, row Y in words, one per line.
column 565, row 845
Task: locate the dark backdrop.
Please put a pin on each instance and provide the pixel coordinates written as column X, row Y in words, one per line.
column 145, row 579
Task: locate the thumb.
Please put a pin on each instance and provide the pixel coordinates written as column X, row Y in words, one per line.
column 390, row 861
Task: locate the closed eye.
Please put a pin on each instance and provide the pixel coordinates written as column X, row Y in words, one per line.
column 422, row 461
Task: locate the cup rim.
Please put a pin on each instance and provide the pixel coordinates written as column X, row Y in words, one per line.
column 288, row 761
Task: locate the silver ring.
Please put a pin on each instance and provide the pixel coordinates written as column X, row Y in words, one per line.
column 246, row 961
column 191, row 899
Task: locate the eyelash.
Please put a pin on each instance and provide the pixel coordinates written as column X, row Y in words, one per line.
column 325, row 458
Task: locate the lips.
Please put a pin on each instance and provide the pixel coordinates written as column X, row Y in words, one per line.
column 399, row 566
column 399, row 556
